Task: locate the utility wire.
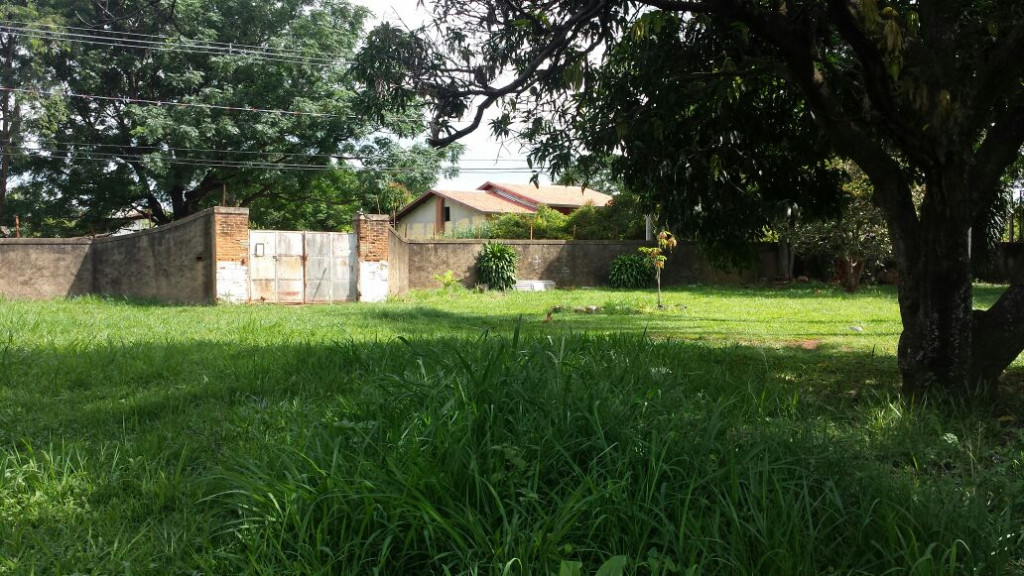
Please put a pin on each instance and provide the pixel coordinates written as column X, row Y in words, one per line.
column 109, row 157
column 362, row 158
column 167, row 43
column 128, row 100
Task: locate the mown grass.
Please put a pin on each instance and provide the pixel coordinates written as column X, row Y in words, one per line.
column 740, row 431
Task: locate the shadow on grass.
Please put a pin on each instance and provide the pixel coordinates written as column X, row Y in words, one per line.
column 152, row 425
column 164, row 390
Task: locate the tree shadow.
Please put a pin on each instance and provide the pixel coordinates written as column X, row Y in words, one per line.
column 153, row 424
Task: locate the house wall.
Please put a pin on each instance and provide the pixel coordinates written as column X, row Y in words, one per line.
column 171, row 263
column 45, row 268
column 463, row 217
column 420, row 222
column 569, row 262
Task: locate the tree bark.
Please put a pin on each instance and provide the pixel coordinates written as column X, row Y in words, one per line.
column 998, row 337
column 935, row 298
column 849, row 272
column 7, row 113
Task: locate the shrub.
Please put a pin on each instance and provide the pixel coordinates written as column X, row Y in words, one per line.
column 631, row 271
column 497, row 265
column 547, row 224
column 619, row 220
column 448, row 280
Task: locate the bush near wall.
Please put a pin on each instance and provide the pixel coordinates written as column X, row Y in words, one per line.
column 498, row 266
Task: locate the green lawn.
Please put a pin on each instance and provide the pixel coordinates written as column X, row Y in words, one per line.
column 738, row 431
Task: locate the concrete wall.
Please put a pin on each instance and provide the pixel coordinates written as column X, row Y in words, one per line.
column 373, row 269
column 182, row 262
column 398, row 256
column 566, row 262
column 170, row 263
column 201, row 259
column 45, row 268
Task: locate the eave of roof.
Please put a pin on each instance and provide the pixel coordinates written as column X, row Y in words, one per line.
column 463, row 198
column 554, row 196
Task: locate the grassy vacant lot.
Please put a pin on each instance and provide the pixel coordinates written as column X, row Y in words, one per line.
column 739, row 431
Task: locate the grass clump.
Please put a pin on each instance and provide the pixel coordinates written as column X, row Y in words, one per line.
column 514, row 456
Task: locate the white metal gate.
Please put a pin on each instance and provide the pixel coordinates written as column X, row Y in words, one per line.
column 302, row 267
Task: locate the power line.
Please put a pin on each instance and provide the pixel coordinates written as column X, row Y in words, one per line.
column 128, row 100
column 171, row 38
column 109, row 157
column 167, row 43
column 172, row 149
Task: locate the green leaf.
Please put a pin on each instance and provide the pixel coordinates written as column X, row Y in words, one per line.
column 615, row 566
column 570, row 568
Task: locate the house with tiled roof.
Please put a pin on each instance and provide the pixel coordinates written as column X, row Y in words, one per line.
column 438, row 212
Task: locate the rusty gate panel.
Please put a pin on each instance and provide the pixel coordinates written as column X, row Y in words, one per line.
column 297, row 267
column 318, row 267
column 290, row 267
column 343, row 260
column 263, row 266
column 329, row 262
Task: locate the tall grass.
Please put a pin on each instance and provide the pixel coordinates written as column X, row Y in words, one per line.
column 510, row 456
column 439, row 435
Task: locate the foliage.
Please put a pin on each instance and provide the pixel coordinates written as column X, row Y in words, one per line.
column 497, row 266
column 619, row 220
column 545, row 224
column 22, row 114
column 448, row 280
column 330, row 200
column 857, row 240
column 262, row 130
column 631, row 271
column 261, row 440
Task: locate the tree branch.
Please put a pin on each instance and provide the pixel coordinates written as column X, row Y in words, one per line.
column 555, row 46
column 877, row 84
column 1000, row 148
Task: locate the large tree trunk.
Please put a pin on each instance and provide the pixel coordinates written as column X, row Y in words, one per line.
column 946, row 345
column 936, row 307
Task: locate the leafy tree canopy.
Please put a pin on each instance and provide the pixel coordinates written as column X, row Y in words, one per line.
column 199, row 101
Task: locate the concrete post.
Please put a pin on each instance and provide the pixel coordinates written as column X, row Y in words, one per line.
column 372, row 251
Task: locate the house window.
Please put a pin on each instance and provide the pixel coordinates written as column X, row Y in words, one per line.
column 447, row 213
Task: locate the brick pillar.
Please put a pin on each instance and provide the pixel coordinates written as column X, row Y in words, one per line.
column 372, row 250
column 231, row 253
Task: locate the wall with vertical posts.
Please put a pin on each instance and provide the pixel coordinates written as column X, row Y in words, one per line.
column 196, row 260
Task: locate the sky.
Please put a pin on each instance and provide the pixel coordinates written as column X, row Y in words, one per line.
column 482, row 150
